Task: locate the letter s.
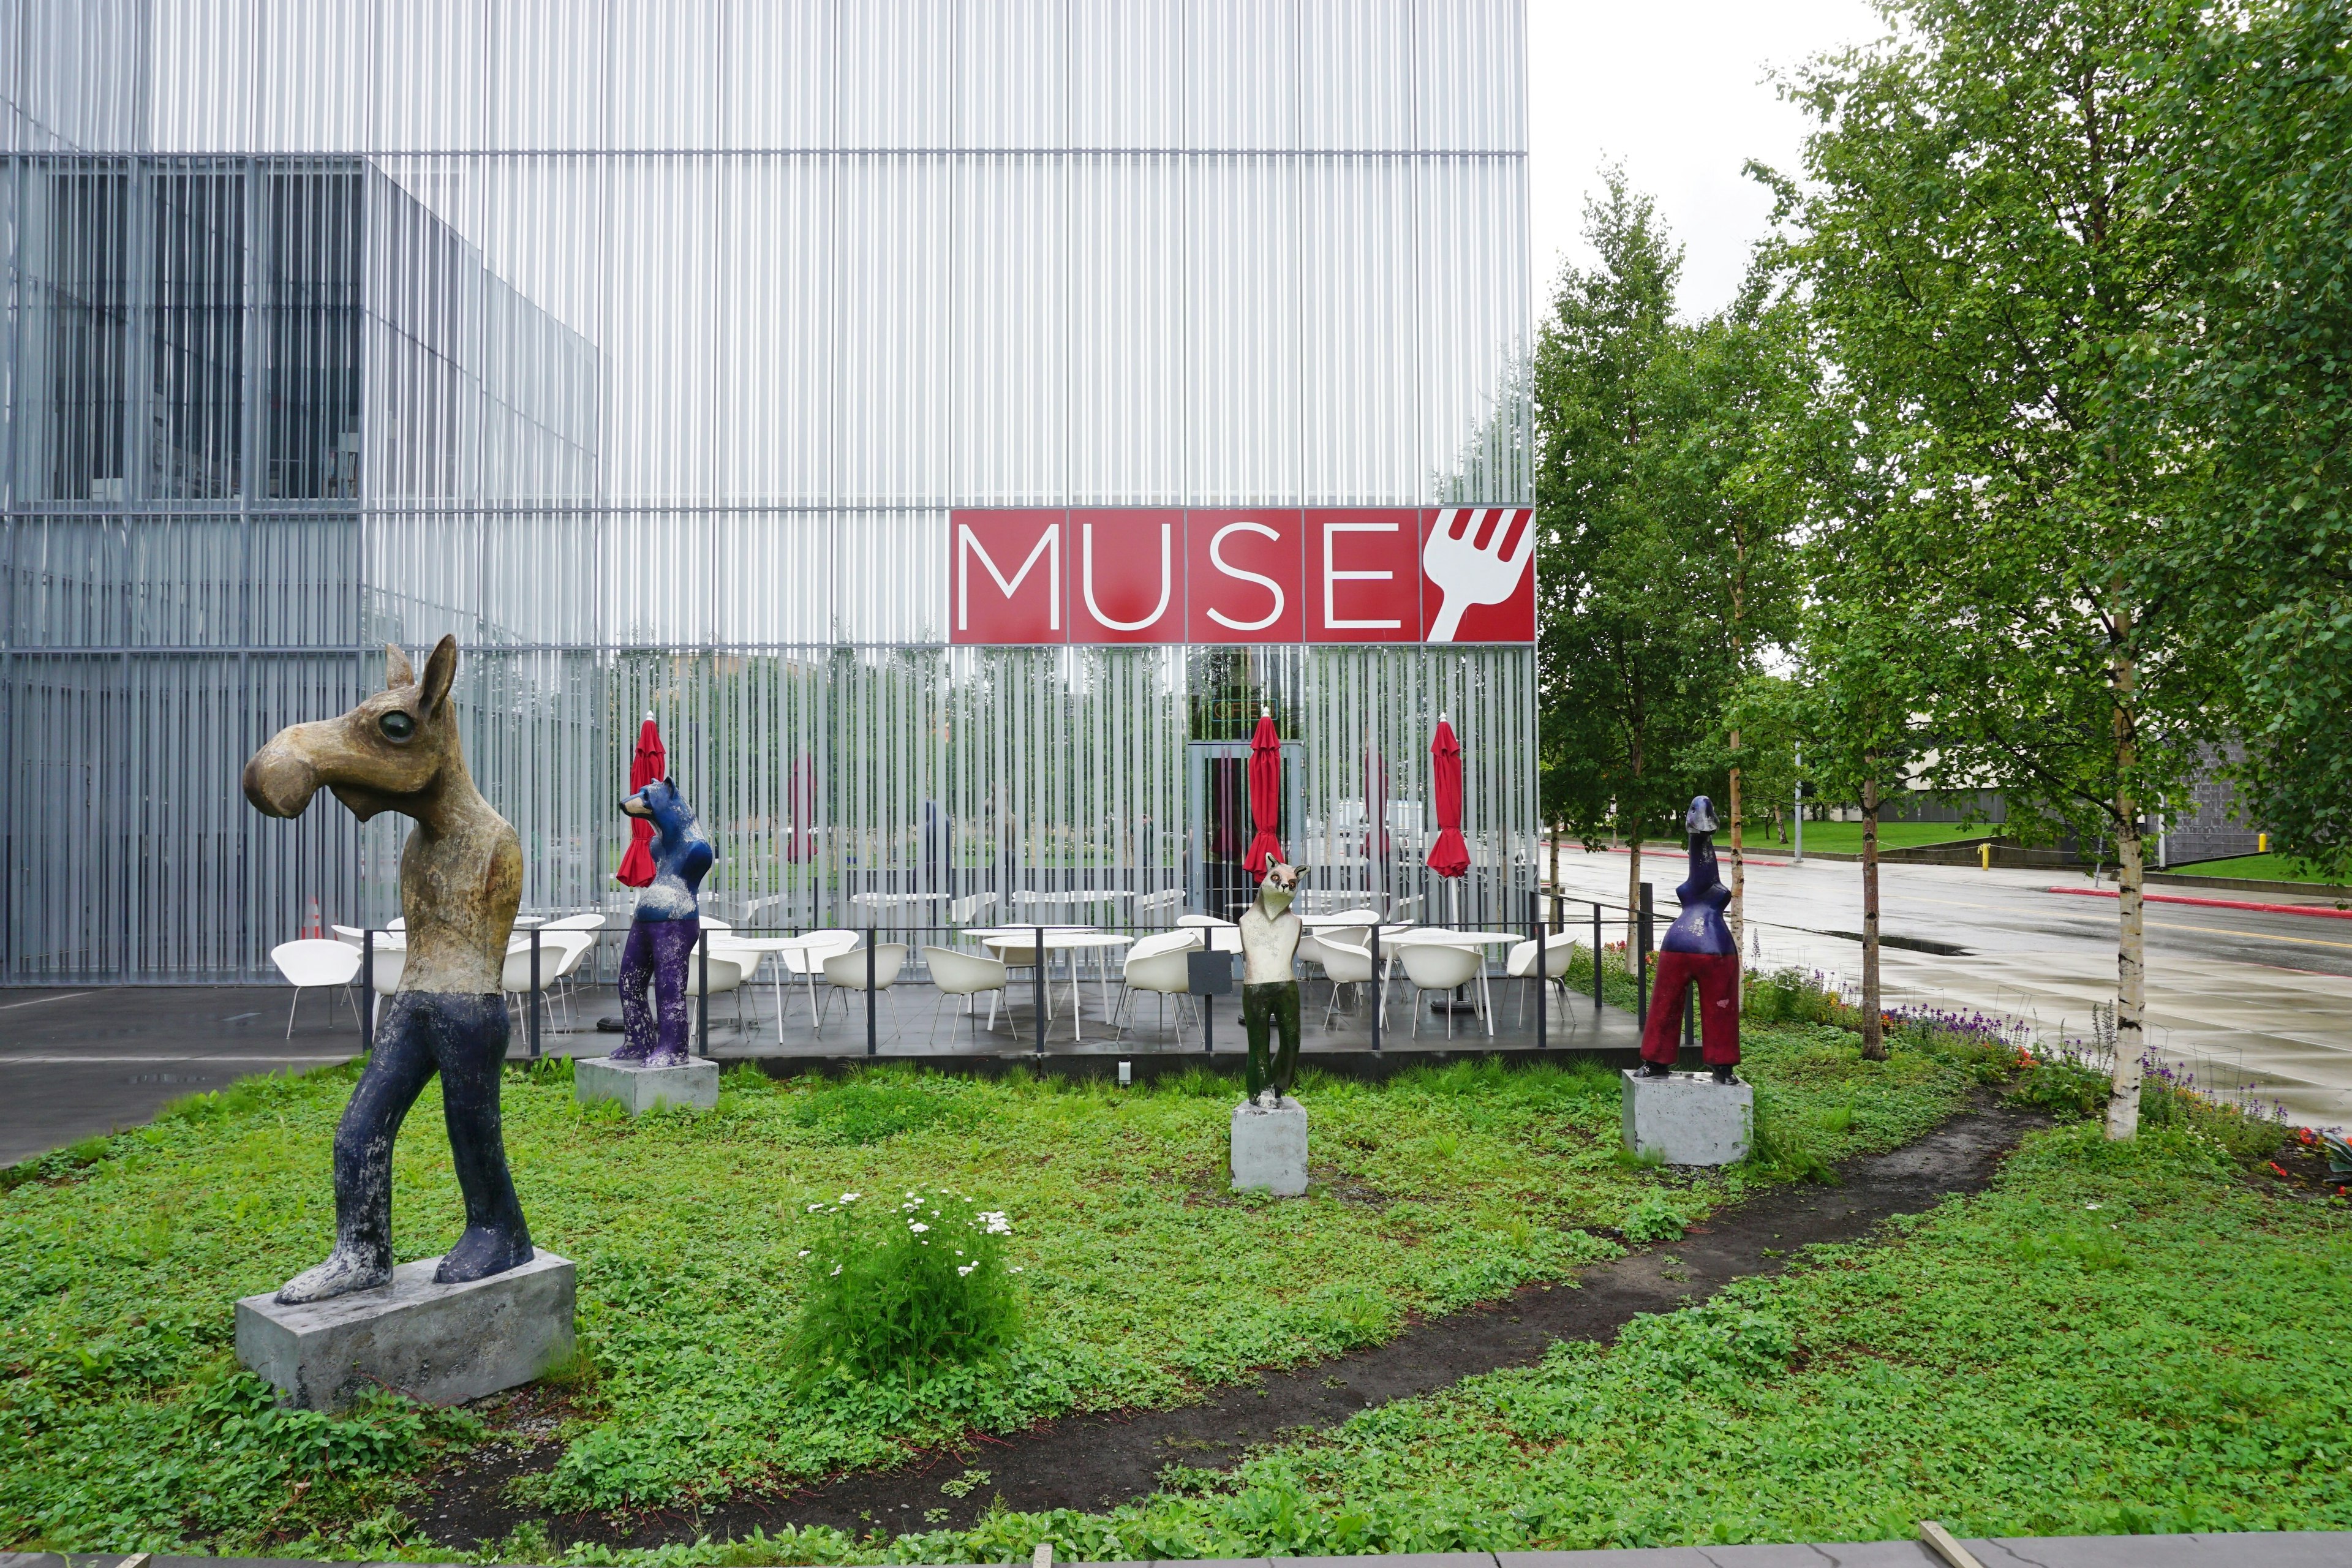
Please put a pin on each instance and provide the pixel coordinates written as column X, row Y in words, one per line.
column 1217, row 559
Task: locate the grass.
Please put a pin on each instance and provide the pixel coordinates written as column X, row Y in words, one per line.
column 126, row 1425
column 2262, row 867
column 1826, row 837
column 1845, row 837
column 2118, row 1339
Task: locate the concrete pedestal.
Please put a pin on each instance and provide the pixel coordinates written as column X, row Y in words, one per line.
column 439, row 1343
column 1270, row 1148
column 692, row 1085
column 1688, row 1119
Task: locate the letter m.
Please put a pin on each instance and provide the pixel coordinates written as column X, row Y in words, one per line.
column 1049, row 545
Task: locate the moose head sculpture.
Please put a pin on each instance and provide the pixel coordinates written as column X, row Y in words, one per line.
column 460, row 881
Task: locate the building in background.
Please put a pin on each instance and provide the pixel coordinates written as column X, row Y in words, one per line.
column 671, row 355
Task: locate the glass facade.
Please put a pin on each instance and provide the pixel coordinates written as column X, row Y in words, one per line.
column 647, row 346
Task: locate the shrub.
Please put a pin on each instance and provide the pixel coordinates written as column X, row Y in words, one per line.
column 2060, row 1086
column 1653, row 1217
column 1787, row 996
column 902, row 1290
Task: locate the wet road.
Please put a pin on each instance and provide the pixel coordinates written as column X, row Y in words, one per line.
column 2240, row 996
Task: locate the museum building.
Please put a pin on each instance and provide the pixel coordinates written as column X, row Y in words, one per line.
column 956, row 422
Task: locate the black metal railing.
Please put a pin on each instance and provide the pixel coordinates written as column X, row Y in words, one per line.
column 1546, row 924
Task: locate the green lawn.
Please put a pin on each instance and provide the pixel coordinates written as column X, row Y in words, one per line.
column 2120, row 1338
column 1845, row 837
column 2266, row 868
column 1827, row 837
column 125, row 1423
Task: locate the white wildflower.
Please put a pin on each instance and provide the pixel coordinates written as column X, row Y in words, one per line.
column 836, row 1268
column 2090, row 1206
column 966, row 1267
column 813, row 1207
column 851, row 1197
column 917, row 1227
column 804, row 1252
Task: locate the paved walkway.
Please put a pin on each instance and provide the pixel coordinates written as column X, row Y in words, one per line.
column 2236, row 995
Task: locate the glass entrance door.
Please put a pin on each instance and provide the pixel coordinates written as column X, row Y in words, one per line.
column 1218, row 818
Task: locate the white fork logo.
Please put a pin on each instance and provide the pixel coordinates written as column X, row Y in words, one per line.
column 1469, row 573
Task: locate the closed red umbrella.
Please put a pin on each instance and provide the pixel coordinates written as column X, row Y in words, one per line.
column 646, row 764
column 801, row 846
column 1265, row 796
column 1449, row 857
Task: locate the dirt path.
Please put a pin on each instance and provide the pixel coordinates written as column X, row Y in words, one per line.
column 1097, row 1461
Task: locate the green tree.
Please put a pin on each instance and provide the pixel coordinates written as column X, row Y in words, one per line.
column 1625, row 684
column 1745, row 465
column 1977, row 264
column 2249, row 370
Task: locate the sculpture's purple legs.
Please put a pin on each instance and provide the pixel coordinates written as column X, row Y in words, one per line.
column 659, row 951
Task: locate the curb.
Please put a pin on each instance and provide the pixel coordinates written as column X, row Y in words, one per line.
column 2310, row 910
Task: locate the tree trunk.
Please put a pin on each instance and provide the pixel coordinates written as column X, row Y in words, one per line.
column 1735, row 911
column 1551, row 915
column 2131, row 952
column 1873, row 1028
column 1633, row 902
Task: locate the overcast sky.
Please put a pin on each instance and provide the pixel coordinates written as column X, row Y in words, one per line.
column 1676, row 90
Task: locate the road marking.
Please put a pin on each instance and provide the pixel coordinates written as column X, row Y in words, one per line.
column 2256, row 935
column 38, row 1000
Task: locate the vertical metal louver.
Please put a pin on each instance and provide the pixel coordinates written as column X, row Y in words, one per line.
column 645, row 346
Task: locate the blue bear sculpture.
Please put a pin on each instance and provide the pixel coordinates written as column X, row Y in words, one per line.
column 662, row 935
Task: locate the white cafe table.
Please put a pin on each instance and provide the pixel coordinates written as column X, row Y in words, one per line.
column 723, row 944
column 1072, row 940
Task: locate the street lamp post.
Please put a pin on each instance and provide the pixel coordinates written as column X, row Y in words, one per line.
column 1798, row 830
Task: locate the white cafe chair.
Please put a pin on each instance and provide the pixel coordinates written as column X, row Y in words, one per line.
column 314, row 962
column 1433, row 966
column 846, row 972
column 1014, row 954
column 1349, row 964
column 1160, row 963
column 1522, row 965
column 560, row 953
column 727, row 973
column 1217, row 935
column 806, row 961
column 390, row 962
column 964, row 974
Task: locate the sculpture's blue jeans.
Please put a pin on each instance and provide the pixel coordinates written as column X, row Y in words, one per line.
column 463, row 1039
column 657, row 950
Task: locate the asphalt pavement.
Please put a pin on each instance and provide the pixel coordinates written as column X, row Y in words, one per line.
column 76, row 1063
column 2241, row 998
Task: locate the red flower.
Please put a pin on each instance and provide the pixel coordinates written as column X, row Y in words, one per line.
column 2281, row 1169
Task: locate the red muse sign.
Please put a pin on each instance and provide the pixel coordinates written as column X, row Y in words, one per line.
column 1368, row 574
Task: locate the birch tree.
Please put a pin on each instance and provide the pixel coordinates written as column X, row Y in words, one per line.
column 1977, row 259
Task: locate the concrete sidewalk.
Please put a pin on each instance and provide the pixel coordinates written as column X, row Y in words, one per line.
column 2314, row 1550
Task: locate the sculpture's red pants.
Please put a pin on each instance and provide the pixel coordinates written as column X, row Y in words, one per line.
column 1717, row 975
